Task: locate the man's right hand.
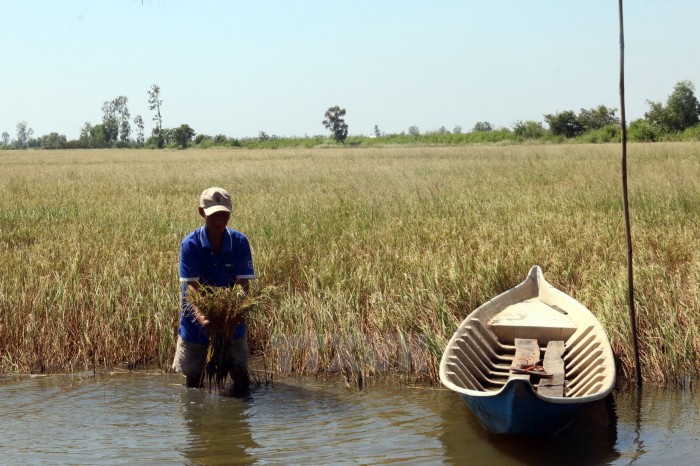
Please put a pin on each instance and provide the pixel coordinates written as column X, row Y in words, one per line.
column 206, row 323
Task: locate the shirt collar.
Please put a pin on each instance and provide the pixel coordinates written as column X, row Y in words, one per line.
column 227, row 244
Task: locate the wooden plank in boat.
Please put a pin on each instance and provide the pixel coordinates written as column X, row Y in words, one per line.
column 554, row 365
column 527, row 353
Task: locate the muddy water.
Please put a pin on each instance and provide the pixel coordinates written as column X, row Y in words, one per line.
column 151, row 418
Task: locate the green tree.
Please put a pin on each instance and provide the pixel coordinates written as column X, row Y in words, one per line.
column 200, row 138
column 528, row 129
column 154, row 103
column 53, row 141
column 335, row 122
column 377, row 133
column 597, row 118
column 110, row 122
column 642, row 130
column 24, row 134
column 413, row 131
column 85, row 134
column 682, row 110
column 564, row 124
column 98, row 137
column 482, row 126
column 166, row 137
column 5, row 138
column 92, row 136
column 138, row 121
column 115, row 119
column 183, row 135
column 122, row 110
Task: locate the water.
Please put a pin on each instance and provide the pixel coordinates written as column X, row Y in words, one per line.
column 138, row 418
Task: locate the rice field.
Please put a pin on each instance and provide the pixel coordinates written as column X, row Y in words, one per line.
column 371, row 256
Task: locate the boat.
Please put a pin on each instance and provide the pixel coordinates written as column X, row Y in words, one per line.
column 530, row 360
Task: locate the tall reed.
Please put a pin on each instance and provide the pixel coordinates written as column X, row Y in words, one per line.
column 377, row 254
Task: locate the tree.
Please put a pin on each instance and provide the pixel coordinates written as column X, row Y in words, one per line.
column 109, row 121
column 642, row 130
column 24, row 134
column 92, row 136
column 528, row 129
column 183, row 135
column 336, row 123
column 482, row 127
column 457, row 129
column 138, row 121
column 377, row 133
column 122, row 110
column 201, row 138
column 164, row 138
column 85, row 135
column 98, row 136
column 597, row 118
column 115, row 120
column 53, row 141
column 682, row 110
column 86, row 130
column 564, row 124
column 657, row 117
column 5, row 138
column 154, row 103
column 684, row 106
column 413, row 131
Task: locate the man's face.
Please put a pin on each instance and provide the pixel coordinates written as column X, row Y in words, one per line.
column 217, row 221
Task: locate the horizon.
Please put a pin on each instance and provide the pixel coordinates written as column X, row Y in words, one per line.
column 239, row 69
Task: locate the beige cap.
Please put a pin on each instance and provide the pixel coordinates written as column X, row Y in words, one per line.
column 215, row 200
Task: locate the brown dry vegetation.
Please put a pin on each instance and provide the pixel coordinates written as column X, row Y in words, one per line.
column 375, row 255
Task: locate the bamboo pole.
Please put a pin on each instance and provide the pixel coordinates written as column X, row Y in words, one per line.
column 630, row 274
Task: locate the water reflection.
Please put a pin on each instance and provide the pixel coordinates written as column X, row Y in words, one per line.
column 589, row 440
column 218, row 429
column 658, row 426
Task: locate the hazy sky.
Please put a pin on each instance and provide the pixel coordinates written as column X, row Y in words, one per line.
column 240, row 67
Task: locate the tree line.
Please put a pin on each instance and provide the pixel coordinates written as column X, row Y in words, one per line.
column 114, row 131
column 676, row 119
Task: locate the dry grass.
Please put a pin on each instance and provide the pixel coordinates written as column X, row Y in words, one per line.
column 377, row 254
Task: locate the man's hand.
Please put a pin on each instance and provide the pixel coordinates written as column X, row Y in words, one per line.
column 204, row 321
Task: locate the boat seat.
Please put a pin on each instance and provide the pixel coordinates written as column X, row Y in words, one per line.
column 532, row 319
column 527, row 353
column 554, row 365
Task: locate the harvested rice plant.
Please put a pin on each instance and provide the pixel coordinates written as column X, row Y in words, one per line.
column 374, row 255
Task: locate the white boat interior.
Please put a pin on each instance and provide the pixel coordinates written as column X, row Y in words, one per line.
column 533, row 332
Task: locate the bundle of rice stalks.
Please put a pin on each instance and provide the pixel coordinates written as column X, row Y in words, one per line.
column 225, row 308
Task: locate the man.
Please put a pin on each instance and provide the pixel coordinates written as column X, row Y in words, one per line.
column 212, row 255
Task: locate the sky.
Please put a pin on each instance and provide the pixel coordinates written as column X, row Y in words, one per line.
column 241, row 67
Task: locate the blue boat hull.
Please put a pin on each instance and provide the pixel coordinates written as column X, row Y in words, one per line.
column 517, row 409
